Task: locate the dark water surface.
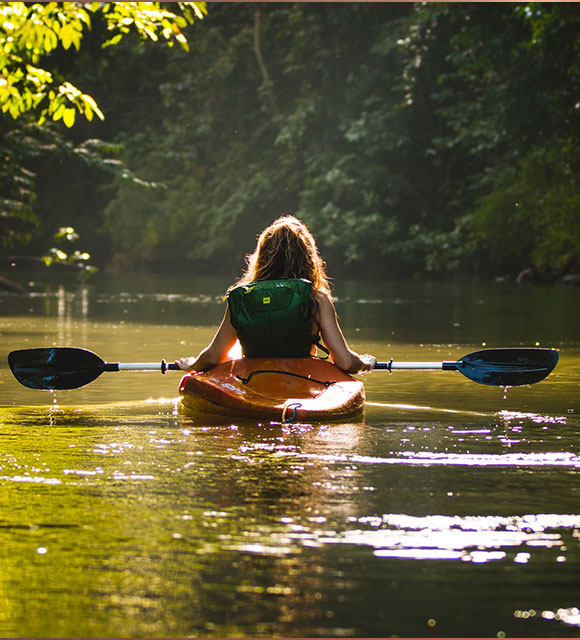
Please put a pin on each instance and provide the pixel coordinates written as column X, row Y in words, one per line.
column 451, row 509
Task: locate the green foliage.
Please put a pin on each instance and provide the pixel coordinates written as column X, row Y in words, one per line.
column 16, row 185
column 532, row 216
column 243, row 142
column 30, row 32
column 33, row 99
column 501, row 81
column 402, row 133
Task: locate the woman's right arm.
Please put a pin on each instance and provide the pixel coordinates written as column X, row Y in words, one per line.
column 342, row 355
column 216, row 351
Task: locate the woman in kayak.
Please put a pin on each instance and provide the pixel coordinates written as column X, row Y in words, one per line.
column 281, row 306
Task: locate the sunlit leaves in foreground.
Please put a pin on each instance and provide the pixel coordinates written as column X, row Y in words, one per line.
column 30, row 31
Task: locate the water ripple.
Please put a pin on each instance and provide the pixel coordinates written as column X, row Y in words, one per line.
column 474, row 539
column 548, row 459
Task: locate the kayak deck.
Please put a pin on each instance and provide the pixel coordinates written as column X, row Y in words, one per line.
column 284, row 389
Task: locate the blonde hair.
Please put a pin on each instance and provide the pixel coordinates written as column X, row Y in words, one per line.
column 286, row 249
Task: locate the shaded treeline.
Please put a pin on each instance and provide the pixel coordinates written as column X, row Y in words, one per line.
column 411, row 138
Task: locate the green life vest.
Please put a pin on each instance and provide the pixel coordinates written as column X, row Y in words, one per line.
column 273, row 318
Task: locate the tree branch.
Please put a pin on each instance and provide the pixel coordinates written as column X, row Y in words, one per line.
column 267, row 82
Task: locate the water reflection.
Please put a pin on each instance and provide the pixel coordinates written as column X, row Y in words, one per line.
column 278, row 518
column 381, row 311
column 448, row 511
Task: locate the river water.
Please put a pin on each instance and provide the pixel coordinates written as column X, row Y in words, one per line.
column 450, row 509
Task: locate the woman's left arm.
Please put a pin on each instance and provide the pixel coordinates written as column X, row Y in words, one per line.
column 216, row 351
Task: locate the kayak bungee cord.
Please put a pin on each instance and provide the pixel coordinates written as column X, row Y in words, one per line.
column 326, row 383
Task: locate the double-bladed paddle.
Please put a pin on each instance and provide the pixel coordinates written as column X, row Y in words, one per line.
column 70, row 368
column 511, row 367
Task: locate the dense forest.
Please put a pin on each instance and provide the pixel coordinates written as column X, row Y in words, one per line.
column 412, row 138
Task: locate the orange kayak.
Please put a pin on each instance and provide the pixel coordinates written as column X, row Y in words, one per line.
column 282, row 389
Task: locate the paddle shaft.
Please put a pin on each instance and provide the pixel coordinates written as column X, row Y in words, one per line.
column 425, row 366
column 140, row 366
column 389, row 366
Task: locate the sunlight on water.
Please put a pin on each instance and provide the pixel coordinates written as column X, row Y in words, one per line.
column 414, row 407
column 470, row 539
column 569, row 616
column 538, row 419
column 422, row 458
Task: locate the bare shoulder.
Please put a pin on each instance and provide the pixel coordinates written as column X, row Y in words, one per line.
column 325, row 306
column 322, row 297
column 323, row 300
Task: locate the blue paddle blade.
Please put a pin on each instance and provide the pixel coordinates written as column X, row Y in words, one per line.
column 55, row 367
column 508, row 367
